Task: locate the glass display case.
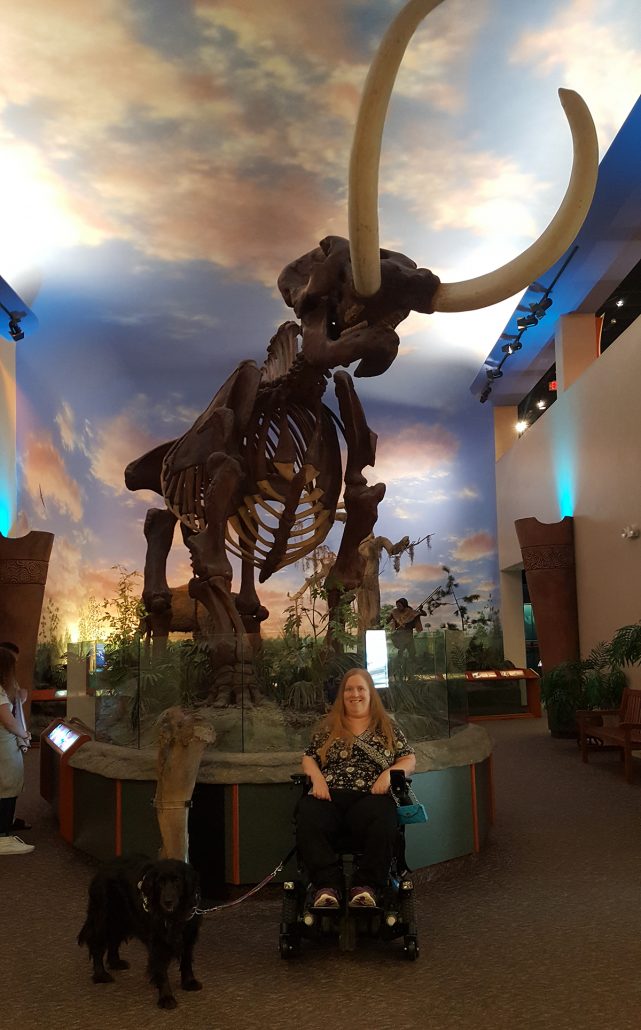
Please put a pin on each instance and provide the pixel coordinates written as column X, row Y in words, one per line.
column 266, row 697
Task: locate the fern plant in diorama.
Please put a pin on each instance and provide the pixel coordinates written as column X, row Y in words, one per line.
column 50, row 670
column 297, row 669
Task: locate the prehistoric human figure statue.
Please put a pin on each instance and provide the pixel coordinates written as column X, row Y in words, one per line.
column 259, row 473
column 368, row 595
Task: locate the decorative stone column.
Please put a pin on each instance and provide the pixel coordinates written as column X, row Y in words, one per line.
column 24, row 563
column 548, row 559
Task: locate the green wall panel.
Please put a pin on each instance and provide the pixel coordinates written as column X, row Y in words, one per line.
column 447, row 796
column 140, row 832
column 265, row 821
column 94, row 814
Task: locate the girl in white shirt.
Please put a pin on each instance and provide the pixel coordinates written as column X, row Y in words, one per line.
column 14, row 738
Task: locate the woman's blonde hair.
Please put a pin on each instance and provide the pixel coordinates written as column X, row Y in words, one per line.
column 335, row 723
column 8, row 673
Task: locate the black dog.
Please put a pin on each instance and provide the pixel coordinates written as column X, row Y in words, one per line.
column 153, row 901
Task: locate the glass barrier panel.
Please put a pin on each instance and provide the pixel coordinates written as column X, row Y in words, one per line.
column 268, row 695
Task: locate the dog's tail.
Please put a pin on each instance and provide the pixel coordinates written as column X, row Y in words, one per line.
column 82, row 936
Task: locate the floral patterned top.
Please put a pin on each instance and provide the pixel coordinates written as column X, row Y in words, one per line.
column 355, row 769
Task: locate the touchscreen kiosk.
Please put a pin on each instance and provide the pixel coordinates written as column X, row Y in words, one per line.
column 58, row 742
column 62, row 737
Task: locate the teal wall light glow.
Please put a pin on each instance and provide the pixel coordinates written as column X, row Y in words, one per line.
column 6, row 507
column 564, row 474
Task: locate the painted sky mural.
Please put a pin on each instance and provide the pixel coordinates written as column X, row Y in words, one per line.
column 162, row 161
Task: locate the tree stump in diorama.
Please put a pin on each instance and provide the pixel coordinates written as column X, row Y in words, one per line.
column 183, row 738
column 368, row 595
column 24, row 563
column 548, row 560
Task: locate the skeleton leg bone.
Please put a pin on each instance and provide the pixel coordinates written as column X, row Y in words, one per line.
column 361, row 501
column 156, row 595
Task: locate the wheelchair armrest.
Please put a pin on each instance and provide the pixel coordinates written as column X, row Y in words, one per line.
column 301, row 780
column 400, row 784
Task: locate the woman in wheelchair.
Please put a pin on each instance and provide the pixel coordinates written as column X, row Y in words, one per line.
column 349, row 761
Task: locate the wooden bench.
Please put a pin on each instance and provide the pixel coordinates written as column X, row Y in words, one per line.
column 614, row 727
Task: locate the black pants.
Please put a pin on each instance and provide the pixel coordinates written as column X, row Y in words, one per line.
column 366, row 823
column 7, row 811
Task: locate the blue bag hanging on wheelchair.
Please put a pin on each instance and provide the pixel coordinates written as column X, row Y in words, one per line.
column 414, row 813
column 408, row 808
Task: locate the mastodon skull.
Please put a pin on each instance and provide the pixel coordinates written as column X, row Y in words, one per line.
column 338, row 325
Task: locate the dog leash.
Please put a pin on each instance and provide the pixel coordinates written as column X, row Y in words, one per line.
column 259, row 886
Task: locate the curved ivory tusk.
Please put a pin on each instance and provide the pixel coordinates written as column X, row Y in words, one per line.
column 366, row 146
column 363, row 185
column 554, row 241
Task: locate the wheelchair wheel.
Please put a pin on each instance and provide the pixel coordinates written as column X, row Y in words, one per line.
column 290, row 908
column 408, row 912
column 411, row 947
column 289, row 945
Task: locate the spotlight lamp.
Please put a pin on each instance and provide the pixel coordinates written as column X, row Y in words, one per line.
column 485, row 394
column 511, row 348
column 541, row 307
column 525, row 321
column 15, row 332
column 532, row 314
column 521, row 427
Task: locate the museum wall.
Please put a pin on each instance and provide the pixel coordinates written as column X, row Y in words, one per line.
column 7, row 435
column 582, row 458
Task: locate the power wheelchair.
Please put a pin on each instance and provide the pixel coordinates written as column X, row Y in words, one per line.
column 394, row 917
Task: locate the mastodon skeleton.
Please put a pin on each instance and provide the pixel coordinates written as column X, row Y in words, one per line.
column 259, row 473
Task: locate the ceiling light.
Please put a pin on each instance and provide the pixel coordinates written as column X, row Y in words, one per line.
column 539, row 309
column 521, row 427
column 525, row 321
column 620, row 302
column 15, row 331
column 541, row 405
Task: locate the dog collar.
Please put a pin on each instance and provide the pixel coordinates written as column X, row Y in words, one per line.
column 145, row 899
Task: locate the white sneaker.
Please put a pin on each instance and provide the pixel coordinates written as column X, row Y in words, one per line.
column 14, row 846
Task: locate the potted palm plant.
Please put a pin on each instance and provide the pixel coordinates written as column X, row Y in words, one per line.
column 593, row 682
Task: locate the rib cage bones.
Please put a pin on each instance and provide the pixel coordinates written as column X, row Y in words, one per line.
column 290, row 455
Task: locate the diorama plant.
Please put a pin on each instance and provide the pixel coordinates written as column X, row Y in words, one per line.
column 50, row 666
column 299, row 669
column 439, row 598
